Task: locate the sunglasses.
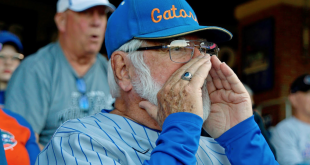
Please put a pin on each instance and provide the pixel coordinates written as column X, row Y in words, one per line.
column 83, row 100
column 15, row 57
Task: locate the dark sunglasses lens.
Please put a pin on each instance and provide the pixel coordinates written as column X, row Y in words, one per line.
column 83, row 103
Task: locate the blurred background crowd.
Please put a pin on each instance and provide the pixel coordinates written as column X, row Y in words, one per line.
column 269, row 52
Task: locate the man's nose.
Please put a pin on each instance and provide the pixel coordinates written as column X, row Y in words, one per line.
column 96, row 19
column 8, row 60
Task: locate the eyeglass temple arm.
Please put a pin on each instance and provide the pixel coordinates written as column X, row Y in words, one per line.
column 151, row 48
column 214, row 51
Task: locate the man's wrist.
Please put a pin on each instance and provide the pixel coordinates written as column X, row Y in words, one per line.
column 237, row 131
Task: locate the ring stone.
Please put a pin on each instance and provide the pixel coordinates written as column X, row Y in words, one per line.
column 187, row 76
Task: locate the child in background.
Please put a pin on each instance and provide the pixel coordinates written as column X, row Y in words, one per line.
column 10, row 58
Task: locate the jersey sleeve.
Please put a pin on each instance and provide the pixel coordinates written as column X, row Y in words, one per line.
column 185, row 129
column 286, row 146
column 27, row 94
column 244, row 144
column 32, row 147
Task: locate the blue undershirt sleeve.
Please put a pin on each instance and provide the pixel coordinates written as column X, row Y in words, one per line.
column 244, row 144
column 178, row 141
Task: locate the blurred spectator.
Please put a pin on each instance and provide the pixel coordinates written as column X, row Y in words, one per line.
column 18, row 139
column 291, row 137
column 259, row 120
column 10, row 57
column 65, row 79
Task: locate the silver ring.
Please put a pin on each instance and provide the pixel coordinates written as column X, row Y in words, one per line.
column 187, row 76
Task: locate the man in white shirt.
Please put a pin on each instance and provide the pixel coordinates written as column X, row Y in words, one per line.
column 291, row 137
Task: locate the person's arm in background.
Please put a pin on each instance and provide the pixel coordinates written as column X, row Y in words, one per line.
column 37, row 140
column 259, row 120
column 27, row 93
column 31, row 145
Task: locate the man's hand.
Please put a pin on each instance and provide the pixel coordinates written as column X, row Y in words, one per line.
column 178, row 95
column 230, row 102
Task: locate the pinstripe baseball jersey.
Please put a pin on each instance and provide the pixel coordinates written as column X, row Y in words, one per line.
column 105, row 138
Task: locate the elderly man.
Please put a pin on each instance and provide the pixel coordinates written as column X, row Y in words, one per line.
column 66, row 79
column 162, row 75
column 291, row 137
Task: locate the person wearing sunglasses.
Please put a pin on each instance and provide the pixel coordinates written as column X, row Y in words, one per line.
column 66, row 79
column 10, row 57
column 17, row 136
column 291, row 137
column 168, row 84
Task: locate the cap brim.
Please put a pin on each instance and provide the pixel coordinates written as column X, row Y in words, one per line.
column 88, row 4
column 211, row 33
column 13, row 41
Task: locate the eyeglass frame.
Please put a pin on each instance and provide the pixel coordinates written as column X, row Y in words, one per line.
column 168, row 46
column 17, row 56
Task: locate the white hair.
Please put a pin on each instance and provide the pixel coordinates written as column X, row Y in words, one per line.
column 142, row 83
column 130, row 47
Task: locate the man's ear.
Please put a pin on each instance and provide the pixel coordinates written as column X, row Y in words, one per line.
column 60, row 20
column 120, row 66
column 292, row 99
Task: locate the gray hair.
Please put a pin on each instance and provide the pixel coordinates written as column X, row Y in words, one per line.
column 135, row 57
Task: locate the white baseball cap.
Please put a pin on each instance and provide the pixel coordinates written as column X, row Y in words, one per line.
column 81, row 5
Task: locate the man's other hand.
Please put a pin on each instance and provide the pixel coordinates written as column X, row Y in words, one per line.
column 230, row 102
